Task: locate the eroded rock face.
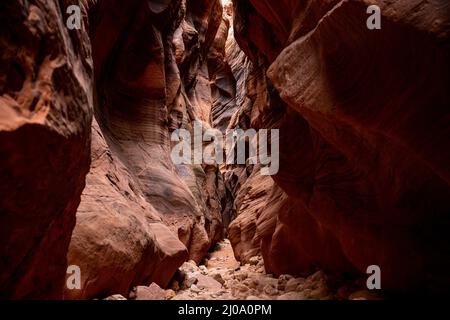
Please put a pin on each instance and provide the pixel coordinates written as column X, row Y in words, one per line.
column 45, row 114
column 250, row 202
column 364, row 157
column 119, row 239
column 141, row 216
column 363, row 117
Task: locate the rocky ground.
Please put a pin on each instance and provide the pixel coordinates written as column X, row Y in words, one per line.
column 221, row 277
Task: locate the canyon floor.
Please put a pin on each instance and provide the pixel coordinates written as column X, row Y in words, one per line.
column 221, row 277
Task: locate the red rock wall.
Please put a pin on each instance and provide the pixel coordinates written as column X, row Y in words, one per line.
column 364, row 140
column 141, row 216
column 363, row 117
column 45, row 114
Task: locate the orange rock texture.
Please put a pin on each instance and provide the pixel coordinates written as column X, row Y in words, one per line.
column 86, row 118
column 363, row 118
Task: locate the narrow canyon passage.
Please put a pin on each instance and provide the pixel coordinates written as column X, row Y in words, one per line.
column 98, row 202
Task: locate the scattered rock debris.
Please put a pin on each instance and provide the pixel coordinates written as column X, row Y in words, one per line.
column 224, row 279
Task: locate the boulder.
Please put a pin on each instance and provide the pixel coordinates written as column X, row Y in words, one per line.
column 116, row 297
column 152, row 292
column 208, row 283
column 119, row 240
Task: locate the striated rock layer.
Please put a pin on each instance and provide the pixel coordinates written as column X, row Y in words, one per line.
column 364, row 127
column 45, row 114
column 364, row 134
column 141, row 216
column 119, row 239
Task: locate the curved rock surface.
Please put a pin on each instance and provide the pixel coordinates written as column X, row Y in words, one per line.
column 140, row 216
column 150, row 79
column 364, row 157
column 45, row 113
column 119, row 240
column 364, row 160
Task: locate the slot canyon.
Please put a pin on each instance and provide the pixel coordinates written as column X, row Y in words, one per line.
column 87, row 178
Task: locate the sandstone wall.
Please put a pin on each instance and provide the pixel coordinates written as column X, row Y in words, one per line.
column 141, row 216
column 364, row 156
column 46, row 107
column 86, row 118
